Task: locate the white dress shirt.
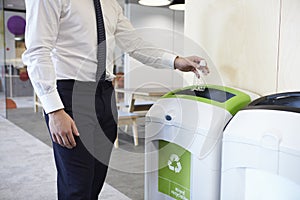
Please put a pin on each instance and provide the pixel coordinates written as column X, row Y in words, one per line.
column 61, row 42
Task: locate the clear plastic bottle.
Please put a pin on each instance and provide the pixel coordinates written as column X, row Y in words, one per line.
column 199, row 83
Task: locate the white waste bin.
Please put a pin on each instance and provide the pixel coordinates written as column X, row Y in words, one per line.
column 261, row 150
column 183, row 142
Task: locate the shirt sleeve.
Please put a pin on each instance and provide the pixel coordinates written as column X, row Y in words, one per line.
column 128, row 40
column 42, row 18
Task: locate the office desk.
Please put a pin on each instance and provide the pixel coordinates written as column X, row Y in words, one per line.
column 150, row 95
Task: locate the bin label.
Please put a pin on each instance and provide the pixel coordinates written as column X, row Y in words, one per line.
column 174, row 171
column 174, row 163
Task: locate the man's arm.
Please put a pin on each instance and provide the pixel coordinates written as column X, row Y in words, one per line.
column 128, row 40
column 42, row 17
column 42, row 22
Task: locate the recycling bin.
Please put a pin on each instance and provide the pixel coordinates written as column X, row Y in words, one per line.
column 261, row 150
column 183, row 142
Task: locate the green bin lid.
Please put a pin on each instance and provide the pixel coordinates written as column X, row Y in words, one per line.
column 225, row 97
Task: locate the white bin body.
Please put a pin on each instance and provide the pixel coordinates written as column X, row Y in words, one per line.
column 196, row 127
column 261, row 156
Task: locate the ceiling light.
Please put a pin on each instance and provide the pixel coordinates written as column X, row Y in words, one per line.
column 178, row 5
column 155, row 2
column 19, row 37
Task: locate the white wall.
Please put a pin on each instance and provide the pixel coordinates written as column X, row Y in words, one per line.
column 162, row 27
column 289, row 54
column 241, row 38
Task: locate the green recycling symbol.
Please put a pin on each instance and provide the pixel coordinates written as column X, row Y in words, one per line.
column 174, row 163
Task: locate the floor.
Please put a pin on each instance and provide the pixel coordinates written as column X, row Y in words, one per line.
column 126, row 166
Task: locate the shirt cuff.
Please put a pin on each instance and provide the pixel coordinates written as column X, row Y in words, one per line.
column 51, row 102
column 169, row 60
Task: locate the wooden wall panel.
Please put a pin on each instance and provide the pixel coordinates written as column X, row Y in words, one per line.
column 240, row 37
column 289, row 56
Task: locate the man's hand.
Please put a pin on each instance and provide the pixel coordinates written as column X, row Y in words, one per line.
column 62, row 127
column 191, row 63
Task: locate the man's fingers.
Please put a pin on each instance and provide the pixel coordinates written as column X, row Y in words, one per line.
column 65, row 141
column 196, row 72
column 195, row 59
column 74, row 129
column 202, row 66
column 204, row 70
column 57, row 139
column 71, row 139
column 54, row 138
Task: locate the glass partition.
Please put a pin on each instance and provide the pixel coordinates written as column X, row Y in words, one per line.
column 2, row 67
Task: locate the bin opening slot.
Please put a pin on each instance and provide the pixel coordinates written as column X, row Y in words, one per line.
column 289, row 101
column 209, row 93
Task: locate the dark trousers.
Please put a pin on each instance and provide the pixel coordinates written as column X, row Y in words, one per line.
column 81, row 171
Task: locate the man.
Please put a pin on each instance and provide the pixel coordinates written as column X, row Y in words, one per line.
column 69, row 57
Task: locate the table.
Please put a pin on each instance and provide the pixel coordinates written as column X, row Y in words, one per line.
column 147, row 94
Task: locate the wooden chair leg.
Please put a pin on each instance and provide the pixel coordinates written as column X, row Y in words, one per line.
column 36, row 99
column 116, row 144
column 135, row 132
column 126, row 128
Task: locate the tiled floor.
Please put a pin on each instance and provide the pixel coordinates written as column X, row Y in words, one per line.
column 27, row 168
column 127, row 162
